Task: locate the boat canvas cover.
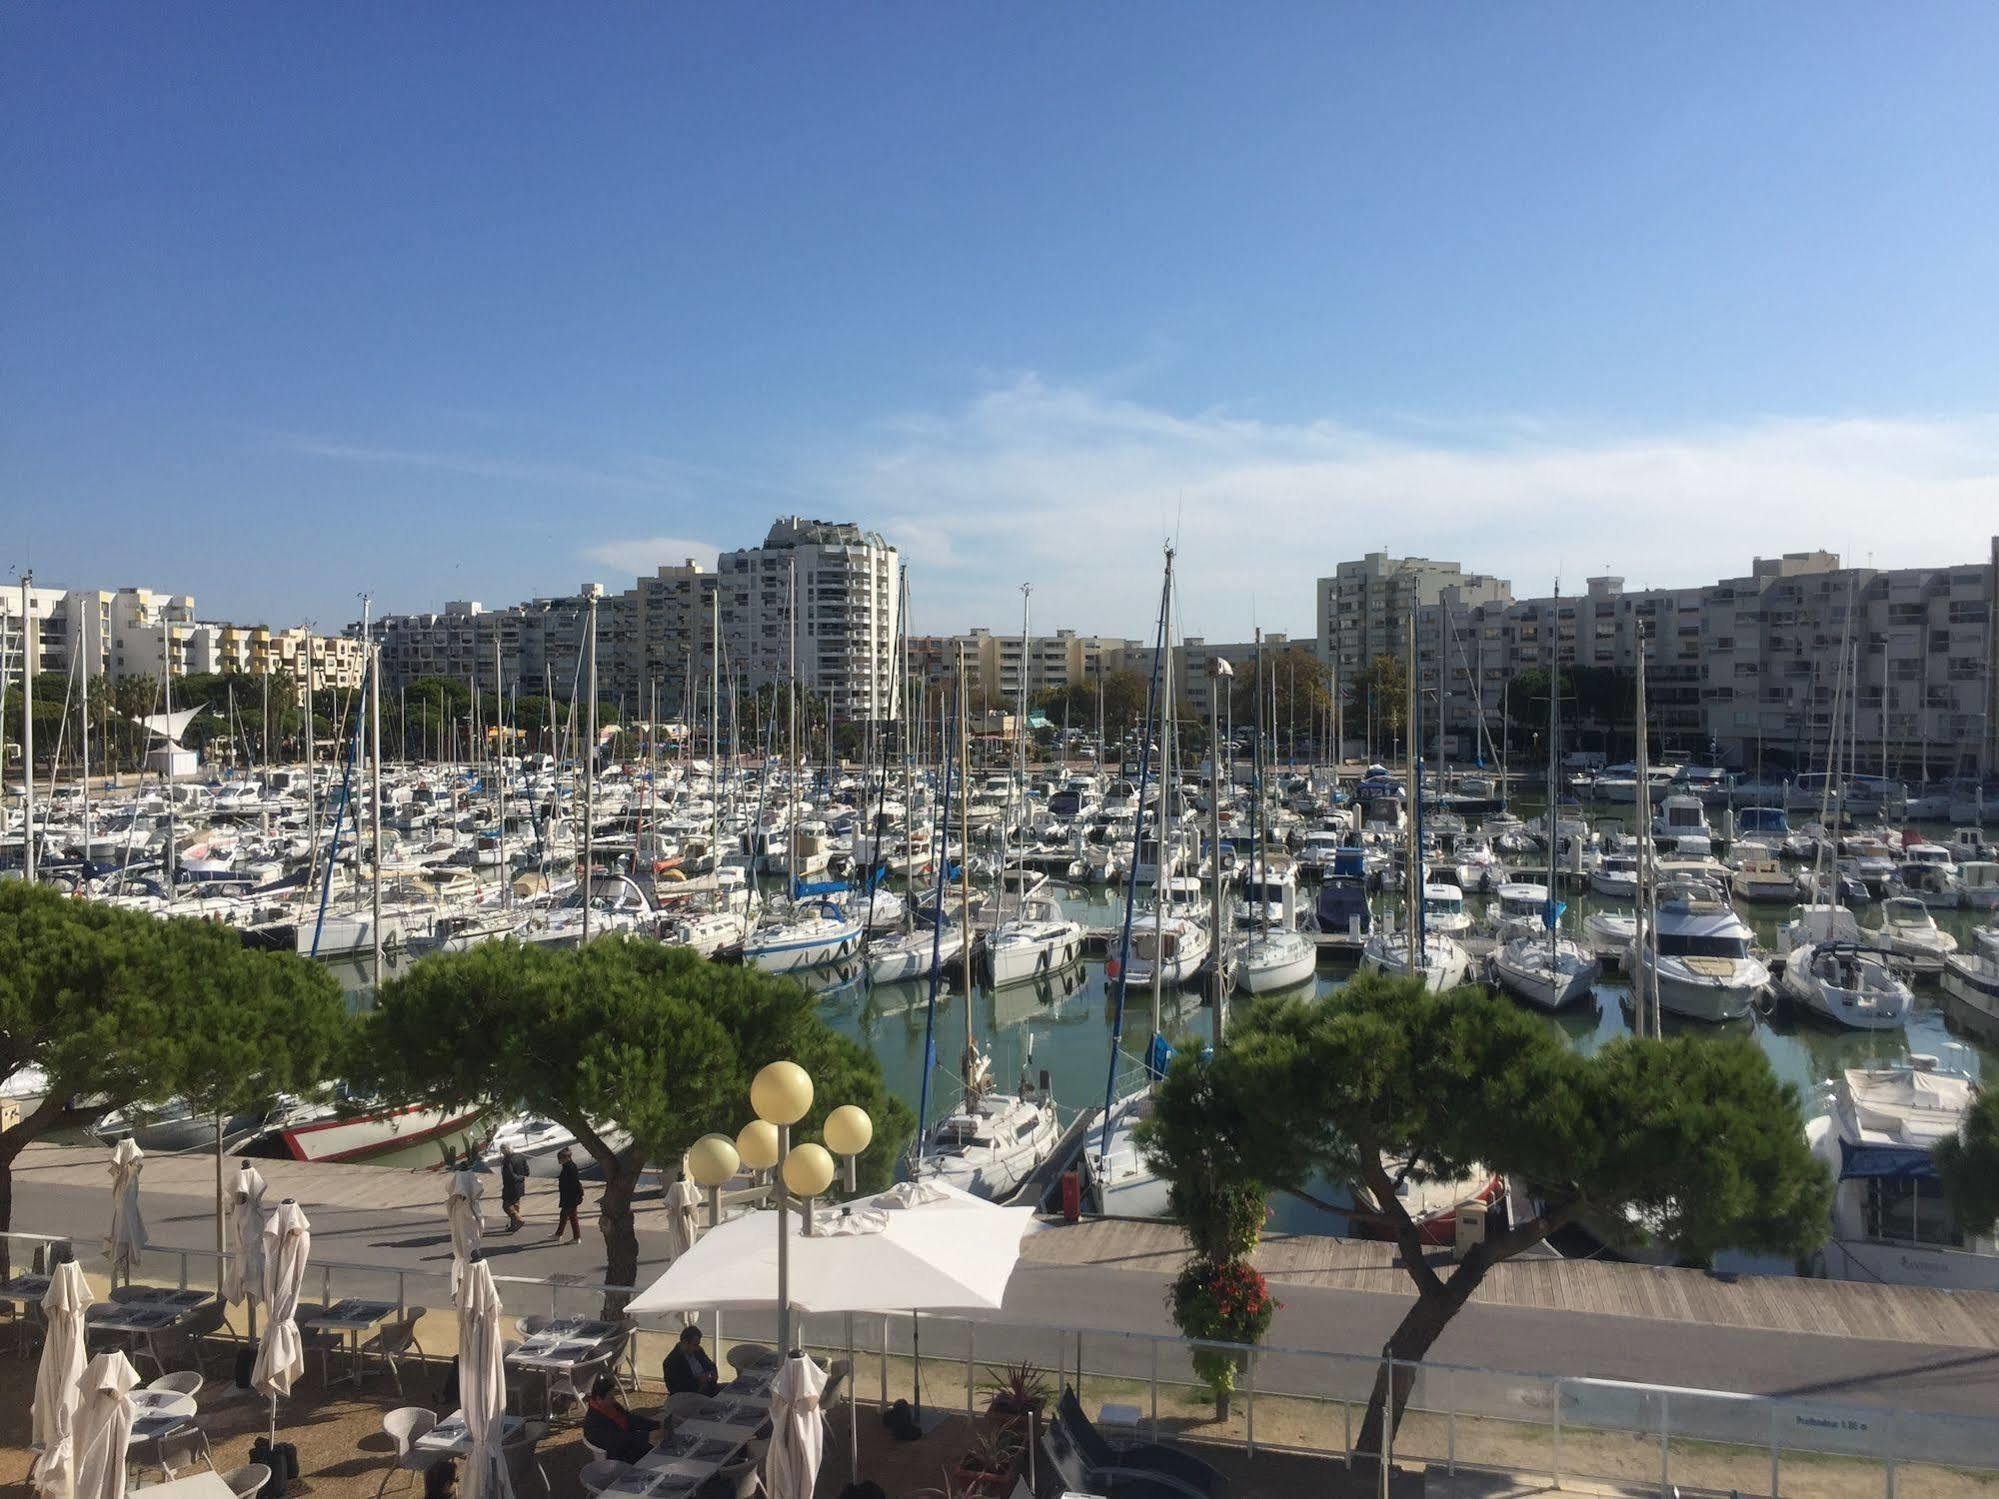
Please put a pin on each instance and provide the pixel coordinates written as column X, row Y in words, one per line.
column 1891, row 1119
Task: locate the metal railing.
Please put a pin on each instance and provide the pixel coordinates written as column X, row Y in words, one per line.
column 1296, row 1400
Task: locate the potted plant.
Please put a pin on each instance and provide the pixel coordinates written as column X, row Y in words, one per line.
column 1016, row 1390
column 988, row 1467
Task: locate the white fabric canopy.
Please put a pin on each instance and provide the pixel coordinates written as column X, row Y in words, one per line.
column 797, row 1430
column 244, row 1277
column 128, row 1230
column 104, row 1413
column 467, row 1216
column 950, row 1250
column 482, row 1385
column 57, row 1380
column 280, row 1354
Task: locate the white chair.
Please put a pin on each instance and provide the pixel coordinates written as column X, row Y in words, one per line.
column 180, row 1448
column 247, row 1481
column 404, row 1426
column 180, row 1382
column 599, row 1475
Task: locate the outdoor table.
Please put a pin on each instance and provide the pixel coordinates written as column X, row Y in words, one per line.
column 154, row 1424
column 718, row 1431
column 172, row 1296
column 137, row 1319
column 163, row 1403
column 353, row 1317
column 451, row 1434
column 25, row 1289
column 555, row 1349
column 194, row 1486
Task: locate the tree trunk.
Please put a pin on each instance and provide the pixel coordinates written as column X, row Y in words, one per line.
column 6, row 1214
column 616, row 1221
column 1420, row 1327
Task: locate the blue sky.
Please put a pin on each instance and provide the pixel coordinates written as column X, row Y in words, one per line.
column 483, row 301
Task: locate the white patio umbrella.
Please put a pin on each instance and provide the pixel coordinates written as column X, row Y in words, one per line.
column 280, row 1354
column 104, row 1413
column 245, row 1278
column 919, row 1247
column 683, row 1225
column 464, row 1210
column 482, row 1384
column 797, row 1430
column 128, row 1230
column 56, row 1381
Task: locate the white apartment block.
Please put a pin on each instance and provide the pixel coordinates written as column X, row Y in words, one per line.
column 137, row 632
column 1745, row 670
column 844, row 585
column 1055, row 661
column 1362, row 611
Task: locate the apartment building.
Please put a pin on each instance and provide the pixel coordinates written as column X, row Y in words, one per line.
column 1746, row 670
column 137, row 632
column 1054, row 661
column 1363, row 608
column 541, row 644
column 1193, row 663
column 831, row 593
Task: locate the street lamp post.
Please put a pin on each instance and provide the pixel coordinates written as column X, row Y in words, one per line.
column 781, row 1094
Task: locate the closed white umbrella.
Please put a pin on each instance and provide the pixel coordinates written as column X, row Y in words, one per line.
column 244, row 1280
column 463, row 1209
column 482, row 1385
column 104, row 1413
column 56, row 1381
column 797, row 1432
column 128, row 1230
column 683, row 1225
column 280, row 1354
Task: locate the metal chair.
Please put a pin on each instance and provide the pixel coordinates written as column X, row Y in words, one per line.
column 247, row 1481
column 180, row 1448
column 403, row 1426
column 393, row 1341
column 747, row 1356
column 184, row 1342
column 518, row 1452
column 678, row 1407
column 181, row 1382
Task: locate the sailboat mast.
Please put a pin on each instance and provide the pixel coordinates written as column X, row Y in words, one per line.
column 1166, row 717
column 374, row 789
column 967, row 1060
column 1554, row 776
column 589, row 768
column 1413, row 881
column 27, row 733
column 1649, row 1023
column 83, row 675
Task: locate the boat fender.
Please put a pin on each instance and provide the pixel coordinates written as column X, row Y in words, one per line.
column 1111, row 969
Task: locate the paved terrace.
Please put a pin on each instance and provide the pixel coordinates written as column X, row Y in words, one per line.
column 1902, row 1346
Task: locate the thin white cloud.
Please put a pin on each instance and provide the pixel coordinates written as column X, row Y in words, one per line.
column 480, row 466
column 1076, row 491
column 639, row 556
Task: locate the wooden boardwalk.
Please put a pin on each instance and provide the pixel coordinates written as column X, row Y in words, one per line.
column 1901, row 1314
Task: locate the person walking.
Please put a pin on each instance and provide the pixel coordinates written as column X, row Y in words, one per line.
column 513, row 1186
column 568, row 1197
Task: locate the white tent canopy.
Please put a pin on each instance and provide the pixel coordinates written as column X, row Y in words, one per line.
column 916, row 1247
column 104, row 1415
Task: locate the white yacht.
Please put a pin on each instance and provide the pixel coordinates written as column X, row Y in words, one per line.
column 1616, row 875
column 1041, row 940
column 912, row 955
column 1891, row 1222
column 1682, row 816
column 1442, row 964
column 1763, row 881
column 1971, row 985
column 1907, row 931
column 1119, row 1178
column 1277, row 959
column 1549, row 971
column 1698, row 955
column 1838, row 979
column 1444, row 911
column 808, row 938
column 1521, row 911
column 990, row 1143
column 1978, row 884
column 1179, row 944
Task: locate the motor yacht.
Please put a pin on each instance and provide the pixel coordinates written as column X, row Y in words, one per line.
column 1908, row 931
column 1698, row 955
column 1845, row 983
column 1971, row 985
column 1892, row 1223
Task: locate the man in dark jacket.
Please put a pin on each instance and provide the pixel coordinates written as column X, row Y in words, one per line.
column 513, row 1186
column 568, row 1197
column 688, row 1370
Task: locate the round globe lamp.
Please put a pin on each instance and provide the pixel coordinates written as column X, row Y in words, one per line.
column 849, row 1131
column 781, row 1093
column 756, row 1145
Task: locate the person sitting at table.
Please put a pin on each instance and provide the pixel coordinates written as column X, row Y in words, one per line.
column 688, row 1370
column 440, row 1480
column 620, row 1434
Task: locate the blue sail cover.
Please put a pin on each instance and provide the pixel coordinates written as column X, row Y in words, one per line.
column 1551, row 912
column 1858, row 1162
column 819, row 887
column 1158, row 1056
